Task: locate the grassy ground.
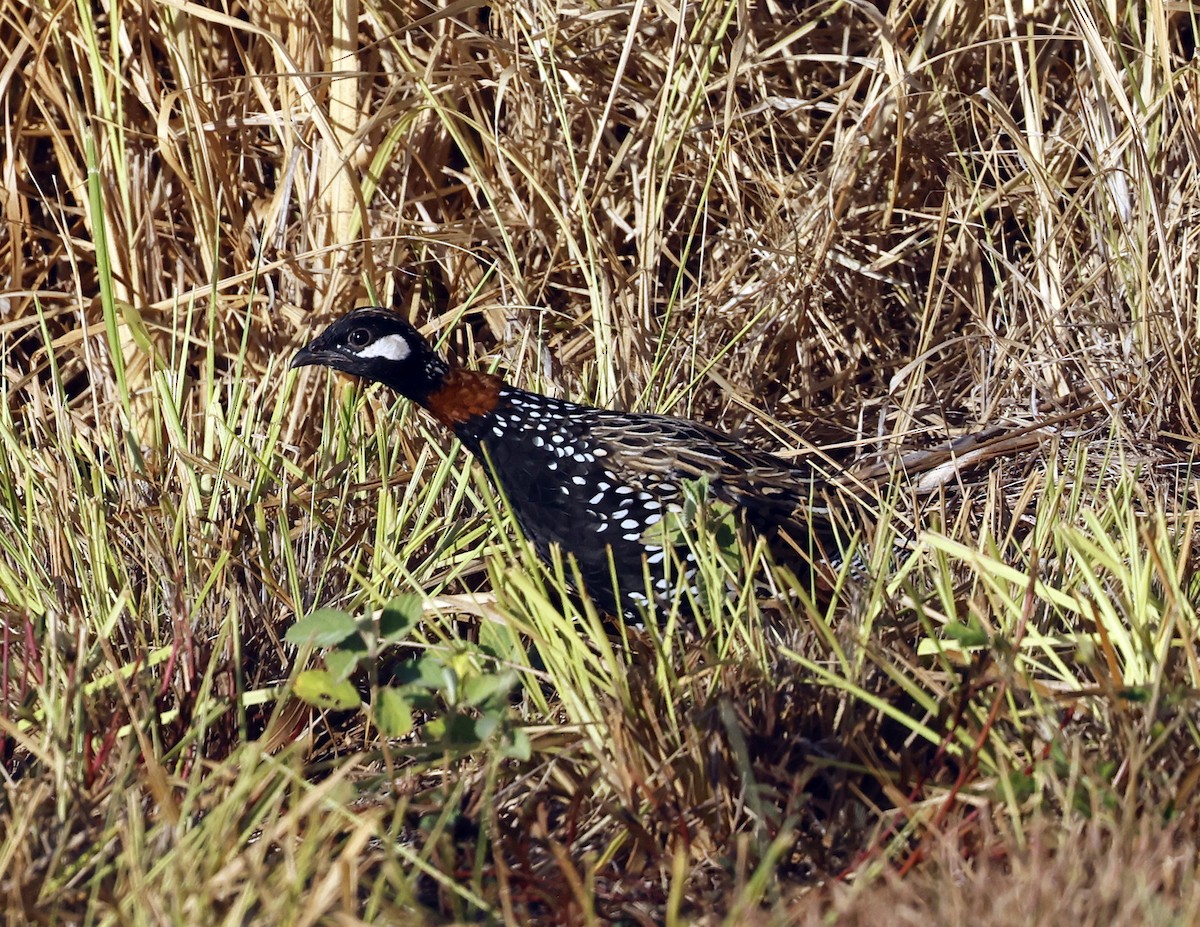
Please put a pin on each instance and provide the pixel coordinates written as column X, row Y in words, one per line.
column 854, row 234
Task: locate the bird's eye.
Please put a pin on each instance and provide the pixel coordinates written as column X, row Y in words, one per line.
column 359, row 338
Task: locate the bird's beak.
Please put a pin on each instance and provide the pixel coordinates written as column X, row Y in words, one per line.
column 306, row 357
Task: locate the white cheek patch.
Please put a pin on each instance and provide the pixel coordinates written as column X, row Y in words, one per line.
column 391, row 347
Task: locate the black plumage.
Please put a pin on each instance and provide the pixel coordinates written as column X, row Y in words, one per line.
column 600, row 484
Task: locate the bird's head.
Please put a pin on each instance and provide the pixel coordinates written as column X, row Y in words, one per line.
column 378, row 345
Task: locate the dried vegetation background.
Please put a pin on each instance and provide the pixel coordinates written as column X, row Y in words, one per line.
column 875, row 227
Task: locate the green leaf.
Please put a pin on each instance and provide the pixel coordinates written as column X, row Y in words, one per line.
column 489, row 689
column 399, row 617
column 435, row 674
column 421, row 699
column 519, row 747
column 435, row 729
column 320, row 689
column 405, row 673
column 453, row 730
column 342, row 661
column 965, row 635
column 393, row 714
column 325, row 627
column 486, row 726
column 695, row 495
column 460, row 731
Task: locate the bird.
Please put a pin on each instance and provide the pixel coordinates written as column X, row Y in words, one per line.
column 601, row 485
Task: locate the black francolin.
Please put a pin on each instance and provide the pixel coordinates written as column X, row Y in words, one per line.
column 593, row 481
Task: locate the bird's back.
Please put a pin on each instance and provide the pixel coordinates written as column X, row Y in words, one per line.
column 595, row 481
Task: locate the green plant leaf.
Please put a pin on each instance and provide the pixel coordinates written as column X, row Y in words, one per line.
column 460, row 731
column 399, row 617
column 452, row 729
column 322, row 690
column 405, row 673
column 435, row 674
column 326, row 627
column 519, row 747
column 489, row 689
column 342, row 661
column 486, row 726
column 435, row 729
column 965, row 635
column 393, row 713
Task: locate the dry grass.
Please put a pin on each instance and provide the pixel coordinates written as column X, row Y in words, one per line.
column 1083, row 872
column 868, row 230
